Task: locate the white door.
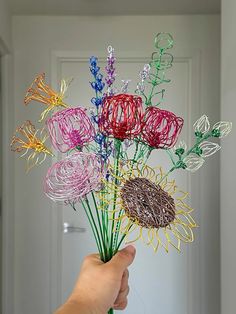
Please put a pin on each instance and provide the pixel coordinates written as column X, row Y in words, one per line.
column 160, row 283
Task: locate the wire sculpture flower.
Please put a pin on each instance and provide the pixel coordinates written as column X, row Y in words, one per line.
column 27, row 142
column 144, row 74
column 180, row 148
column 70, row 128
column 72, row 178
column 193, row 162
column 221, row 129
column 97, row 85
column 110, row 70
column 201, row 126
column 148, row 206
column 41, row 92
column 206, row 149
column 161, row 128
column 121, row 116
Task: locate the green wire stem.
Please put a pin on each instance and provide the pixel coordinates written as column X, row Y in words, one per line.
column 91, row 224
column 101, row 228
column 205, row 137
column 154, row 81
column 116, row 166
column 166, row 175
column 95, row 229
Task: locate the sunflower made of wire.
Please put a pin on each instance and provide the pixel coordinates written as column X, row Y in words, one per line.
column 145, row 205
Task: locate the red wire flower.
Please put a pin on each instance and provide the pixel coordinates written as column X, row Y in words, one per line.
column 69, row 128
column 121, row 116
column 161, row 128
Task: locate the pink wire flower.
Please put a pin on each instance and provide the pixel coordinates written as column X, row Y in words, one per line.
column 161, row 128
column 69, row 128
column 73, row 177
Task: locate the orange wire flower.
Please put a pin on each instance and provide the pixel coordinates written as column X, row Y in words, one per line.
column 41, row 92
column 25, row 140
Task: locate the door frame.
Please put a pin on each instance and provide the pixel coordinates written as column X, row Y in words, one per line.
column 7, row 210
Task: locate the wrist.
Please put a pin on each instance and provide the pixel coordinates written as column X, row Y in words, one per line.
column 74, row 307
column 85, row 305
column 81, row 307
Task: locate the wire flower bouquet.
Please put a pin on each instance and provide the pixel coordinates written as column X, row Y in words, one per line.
column 107, row 149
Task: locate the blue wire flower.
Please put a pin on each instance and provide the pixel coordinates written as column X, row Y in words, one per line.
column 97, row 84
column 105, row 149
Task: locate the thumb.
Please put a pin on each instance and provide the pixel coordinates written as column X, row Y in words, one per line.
column 123, row 258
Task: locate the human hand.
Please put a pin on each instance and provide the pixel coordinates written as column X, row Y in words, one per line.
column 101, row 286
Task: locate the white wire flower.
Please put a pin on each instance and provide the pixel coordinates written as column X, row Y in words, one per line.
column 180, row 148
column 208, row 148
column 221, row 129
column 202, row 125
column 140, row 88
column 144, row 74
column 125, row 85
column 193, row 162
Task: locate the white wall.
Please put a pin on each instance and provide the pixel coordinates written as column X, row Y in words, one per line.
column 5, row 24
column 228, row 158
column 6, row 126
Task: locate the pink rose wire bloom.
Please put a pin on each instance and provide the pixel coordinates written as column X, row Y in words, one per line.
column 69, row 128
column 73, row 177
column 161, row 128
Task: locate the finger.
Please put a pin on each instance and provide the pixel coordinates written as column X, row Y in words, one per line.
column 122, row 296
column 124, row 281
column 122, row 259
column 121, row 306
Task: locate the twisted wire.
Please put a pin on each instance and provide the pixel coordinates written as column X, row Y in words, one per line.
column 73, row 177
column 147, row 204
column 161, row 128
column 121, row 116
column 69, row 128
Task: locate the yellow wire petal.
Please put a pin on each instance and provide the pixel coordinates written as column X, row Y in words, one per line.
column 172, row 239
column 184, row 233
column 138, row 236
column 164, row 244
column 185, row 219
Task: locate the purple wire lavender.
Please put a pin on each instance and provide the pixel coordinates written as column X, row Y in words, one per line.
column 110, row 78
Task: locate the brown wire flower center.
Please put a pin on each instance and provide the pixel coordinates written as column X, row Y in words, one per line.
column 147, row 204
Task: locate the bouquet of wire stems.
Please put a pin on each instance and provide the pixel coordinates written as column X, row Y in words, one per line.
column 107, row 149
